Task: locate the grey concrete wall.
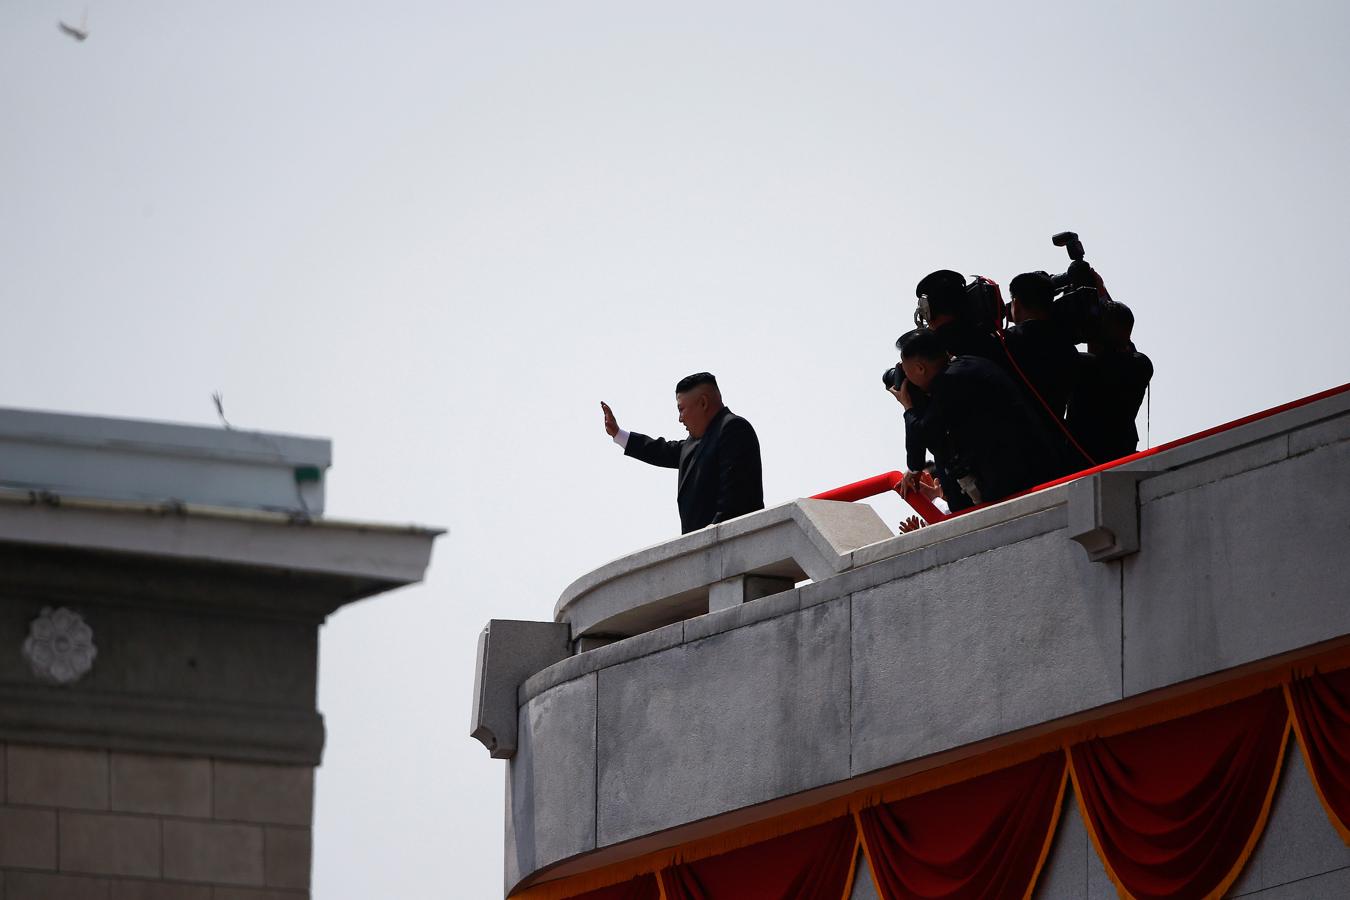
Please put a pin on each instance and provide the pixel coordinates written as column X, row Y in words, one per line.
column 1241, row 567
column 777, row 723
column 550, row 794
column 965, row 651
column 979, row 627
column 864, row 888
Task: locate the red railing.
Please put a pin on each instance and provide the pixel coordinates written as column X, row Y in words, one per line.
column 890, row 481
column 880, row 484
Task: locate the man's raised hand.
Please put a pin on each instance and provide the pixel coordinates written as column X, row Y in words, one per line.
column 611, row 425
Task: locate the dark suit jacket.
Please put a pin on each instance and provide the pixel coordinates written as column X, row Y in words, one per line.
column 977, row 416
column 1103, row 408
column 720, row 474
column 1046, row 355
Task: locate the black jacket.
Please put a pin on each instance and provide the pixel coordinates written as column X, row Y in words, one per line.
column 1046, row 355
column 960, row 339
column 720, row 473
column 1102, row 412
column 977, row 421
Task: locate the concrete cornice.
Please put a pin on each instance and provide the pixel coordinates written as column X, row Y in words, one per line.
column 383, row 554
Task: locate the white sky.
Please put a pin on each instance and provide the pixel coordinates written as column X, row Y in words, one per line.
column 440, row 232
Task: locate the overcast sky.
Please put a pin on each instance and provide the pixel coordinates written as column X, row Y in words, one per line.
column 440, row 233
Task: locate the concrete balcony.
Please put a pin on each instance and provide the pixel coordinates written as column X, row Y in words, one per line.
column 904, row 652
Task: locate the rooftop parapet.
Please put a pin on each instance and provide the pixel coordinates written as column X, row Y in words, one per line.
column 160, row 462
column 707, row 569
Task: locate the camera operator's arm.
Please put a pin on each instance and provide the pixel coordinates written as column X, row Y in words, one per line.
column 916, row 453
column 925, row 423
column 654, row 451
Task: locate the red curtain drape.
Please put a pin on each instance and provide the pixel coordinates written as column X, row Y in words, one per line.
column 983, row 838
column 811, row 864
column 643, row 887
column 1322, row 712
column 1176, row 807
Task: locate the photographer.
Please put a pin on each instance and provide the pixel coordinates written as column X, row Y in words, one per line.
column 987, row 443
column 944, row 308
column 1041, row 346
column 1113, row 377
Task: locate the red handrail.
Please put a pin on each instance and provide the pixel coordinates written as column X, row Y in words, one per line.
column 890, row 481
column 880, row 484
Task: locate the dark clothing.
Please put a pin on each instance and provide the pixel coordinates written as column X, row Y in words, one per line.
column 977, row 421
column 720, row 473
column 1045, row 353
column 1110, row 390
column 960, row 339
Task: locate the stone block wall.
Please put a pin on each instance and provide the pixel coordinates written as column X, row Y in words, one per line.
column 109, row 825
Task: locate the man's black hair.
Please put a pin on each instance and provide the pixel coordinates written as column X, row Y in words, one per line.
column 1122, row 318
column 698, row 379
column 921, row 343
column 1034, row 290
column 1119, row 322
column 944, row 290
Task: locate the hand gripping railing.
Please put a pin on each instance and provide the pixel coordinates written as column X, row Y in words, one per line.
column 891, row 481
column 880, row 484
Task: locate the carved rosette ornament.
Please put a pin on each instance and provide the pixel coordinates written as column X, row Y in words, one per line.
column 60, row 646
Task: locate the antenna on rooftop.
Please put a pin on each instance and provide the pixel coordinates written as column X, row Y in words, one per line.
column 219, row 400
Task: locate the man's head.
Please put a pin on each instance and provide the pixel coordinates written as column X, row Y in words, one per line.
column 698, row 401
column 1119, row 325
column 922, row 356
column 941, row 292
column 1033, row 296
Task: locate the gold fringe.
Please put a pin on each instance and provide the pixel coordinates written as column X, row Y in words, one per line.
column 1308, row 764
column 867, row 852
column 1092, row 831
column 1242, row 859
column 853, row 863
column 1255, row 836
column 1050, row 832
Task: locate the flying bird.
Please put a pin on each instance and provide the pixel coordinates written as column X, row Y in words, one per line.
column 79, row 33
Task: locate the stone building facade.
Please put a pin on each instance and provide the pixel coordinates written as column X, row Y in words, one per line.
column 161, row 593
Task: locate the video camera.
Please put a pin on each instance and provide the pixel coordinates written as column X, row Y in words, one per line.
column 978, row 304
